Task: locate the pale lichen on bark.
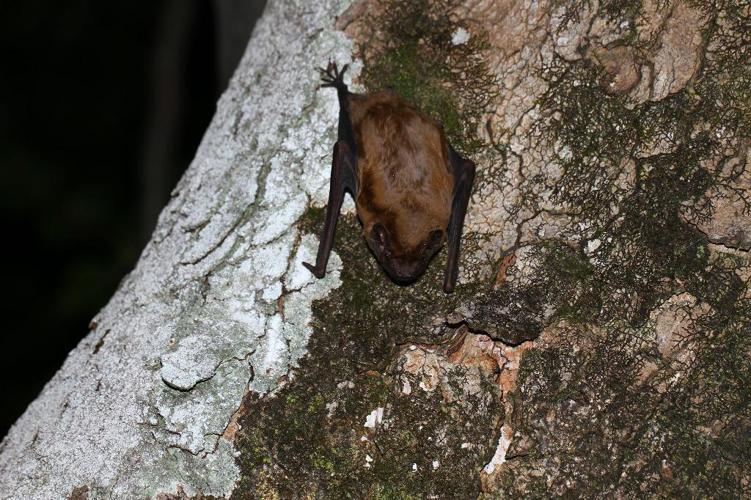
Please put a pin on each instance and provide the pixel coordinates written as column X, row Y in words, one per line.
column 218, row 304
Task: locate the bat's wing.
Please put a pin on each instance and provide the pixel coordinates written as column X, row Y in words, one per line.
column 464, row 176
column 343, row 168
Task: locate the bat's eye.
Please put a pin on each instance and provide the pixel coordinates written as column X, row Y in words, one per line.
column 434, row 238
column 379, row 234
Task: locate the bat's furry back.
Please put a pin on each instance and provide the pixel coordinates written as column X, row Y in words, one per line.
column 403, row 172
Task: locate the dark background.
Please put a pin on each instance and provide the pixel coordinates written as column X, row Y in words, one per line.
column 102, row 106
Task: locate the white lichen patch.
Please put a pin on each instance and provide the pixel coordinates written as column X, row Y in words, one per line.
column 194, row 420
column 219, row 302
column 374, row 418
column 499, row 457
column 195, row 360
column 460, row 36
column 592, row 246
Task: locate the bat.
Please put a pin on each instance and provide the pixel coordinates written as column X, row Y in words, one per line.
column 411, row 188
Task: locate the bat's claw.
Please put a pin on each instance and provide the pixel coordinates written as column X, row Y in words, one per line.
column 317, row 272
column 331, row 76
column 448, row 285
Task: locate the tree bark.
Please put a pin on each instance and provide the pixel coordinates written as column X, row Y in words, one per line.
column 599, row 341
column 143, row 404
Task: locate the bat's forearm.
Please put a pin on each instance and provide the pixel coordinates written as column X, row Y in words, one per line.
column 336, row 196
column 462, row 193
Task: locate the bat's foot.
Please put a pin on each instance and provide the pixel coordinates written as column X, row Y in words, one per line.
column 332, row 77
column 317, row 272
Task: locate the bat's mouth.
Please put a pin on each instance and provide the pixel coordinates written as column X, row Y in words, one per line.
column 400, row 269
column 403, row 275
column 403, row 280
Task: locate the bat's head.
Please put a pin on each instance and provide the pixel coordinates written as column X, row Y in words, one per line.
column 402, row 261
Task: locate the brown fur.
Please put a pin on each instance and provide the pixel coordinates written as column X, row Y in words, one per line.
column 404, row 177
column 411, row 187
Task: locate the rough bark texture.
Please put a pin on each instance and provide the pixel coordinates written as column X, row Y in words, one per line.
column 598, row 345
column 218, row 304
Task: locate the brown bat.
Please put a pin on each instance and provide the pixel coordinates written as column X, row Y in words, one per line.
column 410, row 186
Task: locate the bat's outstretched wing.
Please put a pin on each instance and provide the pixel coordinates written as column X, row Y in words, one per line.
column 343, row 168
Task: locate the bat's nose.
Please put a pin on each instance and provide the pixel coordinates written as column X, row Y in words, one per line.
column 405, row 272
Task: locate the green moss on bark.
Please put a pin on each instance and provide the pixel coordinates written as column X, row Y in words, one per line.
column 411, row 48
column 311, row 432
column 601, row 407
column 629, row 413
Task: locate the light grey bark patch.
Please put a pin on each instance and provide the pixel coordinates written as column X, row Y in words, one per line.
column 194, row 420
column 206, row 314
column 196, row 358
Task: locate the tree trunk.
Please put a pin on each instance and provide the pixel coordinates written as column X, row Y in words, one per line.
column 599, row 341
